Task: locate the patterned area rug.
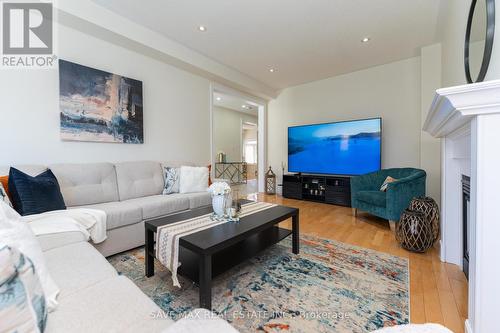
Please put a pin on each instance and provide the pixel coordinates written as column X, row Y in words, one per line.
column 329, row 287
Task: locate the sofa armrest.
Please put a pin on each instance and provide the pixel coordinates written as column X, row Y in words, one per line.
column 401, row 192
column 201, row 320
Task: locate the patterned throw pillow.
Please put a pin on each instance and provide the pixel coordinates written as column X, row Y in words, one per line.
column 172, row 177
column 3, row 195
column 386, row 183
column 22, row 302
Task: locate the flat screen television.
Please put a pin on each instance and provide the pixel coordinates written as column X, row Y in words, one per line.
column 340, row 148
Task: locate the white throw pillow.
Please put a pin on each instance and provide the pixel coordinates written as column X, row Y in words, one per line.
column 16, row 233
column 193, row 179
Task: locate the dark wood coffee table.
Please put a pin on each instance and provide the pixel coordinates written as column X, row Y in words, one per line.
column 208, row 253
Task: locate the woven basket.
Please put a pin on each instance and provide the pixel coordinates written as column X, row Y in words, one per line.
column 429, row 207
column 414, row 232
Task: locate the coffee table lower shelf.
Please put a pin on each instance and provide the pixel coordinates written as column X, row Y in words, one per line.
column 231, row 256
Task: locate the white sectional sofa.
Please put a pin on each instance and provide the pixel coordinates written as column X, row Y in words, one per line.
column 94, row 298
column 129, row 193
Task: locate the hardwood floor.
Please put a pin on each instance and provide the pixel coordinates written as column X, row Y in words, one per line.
column 438, row 291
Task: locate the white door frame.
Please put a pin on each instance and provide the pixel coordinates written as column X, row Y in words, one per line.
column 261, row 127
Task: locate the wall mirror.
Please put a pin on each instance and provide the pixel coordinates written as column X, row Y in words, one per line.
column 479, row 39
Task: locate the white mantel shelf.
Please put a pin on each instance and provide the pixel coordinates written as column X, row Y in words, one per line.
column 453, row 108
column 467, row 118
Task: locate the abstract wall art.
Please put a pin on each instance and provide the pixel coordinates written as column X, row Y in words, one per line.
column 99, row 106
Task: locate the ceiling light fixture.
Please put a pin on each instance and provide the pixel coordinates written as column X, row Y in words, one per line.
column 272, row 70
column 365, row 40
column 202, row 28
column 244, row 106
column 218, row 98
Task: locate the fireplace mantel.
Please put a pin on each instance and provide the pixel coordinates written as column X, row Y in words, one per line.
column 454, row 107
column 469, row 116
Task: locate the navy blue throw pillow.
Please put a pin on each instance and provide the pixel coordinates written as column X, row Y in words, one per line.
column 35, row 195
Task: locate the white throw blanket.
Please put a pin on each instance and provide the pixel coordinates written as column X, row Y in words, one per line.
column 167, row 236
column 90, row 222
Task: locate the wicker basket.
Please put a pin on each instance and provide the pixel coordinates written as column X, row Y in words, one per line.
column 429, row 207
column 414, row 232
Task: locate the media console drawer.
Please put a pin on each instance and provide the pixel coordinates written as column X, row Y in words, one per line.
column 292, row 190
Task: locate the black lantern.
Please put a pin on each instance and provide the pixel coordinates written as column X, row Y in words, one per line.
column 270, row 182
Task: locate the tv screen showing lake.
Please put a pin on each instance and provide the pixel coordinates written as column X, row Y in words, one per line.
column 344, row 148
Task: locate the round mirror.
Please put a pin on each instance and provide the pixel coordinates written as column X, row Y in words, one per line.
column 479, row 39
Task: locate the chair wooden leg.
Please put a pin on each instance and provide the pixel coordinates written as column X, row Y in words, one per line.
column 392, row 224
column 354, row 212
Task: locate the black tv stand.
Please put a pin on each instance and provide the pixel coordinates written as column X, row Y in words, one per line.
column 334, row 190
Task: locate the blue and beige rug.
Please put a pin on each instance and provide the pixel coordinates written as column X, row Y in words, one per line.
column 329, row 287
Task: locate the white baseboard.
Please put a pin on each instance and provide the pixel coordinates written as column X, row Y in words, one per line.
column 468, row 328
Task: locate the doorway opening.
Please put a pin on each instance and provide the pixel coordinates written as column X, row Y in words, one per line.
column 237, row 150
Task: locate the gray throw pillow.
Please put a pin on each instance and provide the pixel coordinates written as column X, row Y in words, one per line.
column 172, row 177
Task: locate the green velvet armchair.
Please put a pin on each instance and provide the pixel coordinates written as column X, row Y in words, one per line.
column 366, row 194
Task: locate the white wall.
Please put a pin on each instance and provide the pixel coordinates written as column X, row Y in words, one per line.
column 451, row 33
column 430, row 147
column 228, row 132
column 390, row 91
column 176, row 109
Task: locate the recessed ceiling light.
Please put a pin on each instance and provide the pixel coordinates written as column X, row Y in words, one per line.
column 244, row 106
column 365, row 40
column 218, row 98
column 202, row 28
column 272, row 70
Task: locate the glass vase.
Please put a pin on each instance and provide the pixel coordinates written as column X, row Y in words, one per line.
column 219, row 204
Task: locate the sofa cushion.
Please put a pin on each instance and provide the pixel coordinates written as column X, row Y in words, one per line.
column 76, row 267
column 118, row 214
column 51, row 241
column 113, row 305
column 139, row 179
column 199, row 199
column 160, row 205
column 377, row 198
column 86, row 184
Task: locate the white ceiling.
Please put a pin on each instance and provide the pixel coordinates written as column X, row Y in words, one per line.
column 305, row 40
column 235, row 103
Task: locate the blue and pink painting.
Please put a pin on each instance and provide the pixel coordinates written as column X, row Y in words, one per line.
column 99, row 106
